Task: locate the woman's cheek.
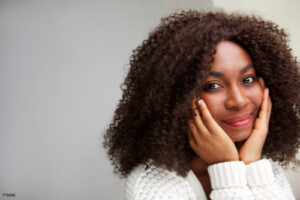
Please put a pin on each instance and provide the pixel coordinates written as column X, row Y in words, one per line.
column 214, row 107
column 257, row 98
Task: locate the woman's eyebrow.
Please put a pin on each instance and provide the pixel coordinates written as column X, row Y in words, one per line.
column 243, row 70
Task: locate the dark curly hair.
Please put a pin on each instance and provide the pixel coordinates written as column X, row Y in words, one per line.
column 167, row 72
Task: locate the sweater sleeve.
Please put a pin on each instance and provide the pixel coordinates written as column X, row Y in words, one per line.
column 228, row 181
column 259, row 180
column 267, row 181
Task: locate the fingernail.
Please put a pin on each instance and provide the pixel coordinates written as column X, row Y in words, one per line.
column 200, row 101
column 267, row 90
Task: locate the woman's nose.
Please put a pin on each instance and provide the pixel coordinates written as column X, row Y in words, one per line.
column 236, row 99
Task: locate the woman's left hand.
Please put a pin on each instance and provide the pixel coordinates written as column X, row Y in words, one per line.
column 251, row 150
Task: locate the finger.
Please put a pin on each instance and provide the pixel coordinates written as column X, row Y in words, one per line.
column 193, row 132
column 269, row 104
column 191, row 140
column 209, row 122
column 264, row 115
column 266, row 105
column 198, row 119
column 189, row 131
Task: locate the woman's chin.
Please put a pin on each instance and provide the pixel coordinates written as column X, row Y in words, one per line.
column 239, row 136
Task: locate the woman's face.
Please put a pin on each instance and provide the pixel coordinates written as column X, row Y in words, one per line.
column 232, row 92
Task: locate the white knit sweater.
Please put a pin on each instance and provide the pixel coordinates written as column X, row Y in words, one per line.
column 262, row 179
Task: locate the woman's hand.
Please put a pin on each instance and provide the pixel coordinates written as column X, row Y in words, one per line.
column 252, row 147
column 208, row 139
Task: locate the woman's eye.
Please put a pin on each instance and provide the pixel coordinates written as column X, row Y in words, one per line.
column 212, row 86
column 249, row 79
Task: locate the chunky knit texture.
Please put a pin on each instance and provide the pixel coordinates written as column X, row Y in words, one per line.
column 262, row 179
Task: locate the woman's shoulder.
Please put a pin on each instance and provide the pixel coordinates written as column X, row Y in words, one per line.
column 279, row 173
column 276, row 168
column 152, row 182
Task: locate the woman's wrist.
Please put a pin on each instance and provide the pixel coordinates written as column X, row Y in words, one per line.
column 227, row 174
column 259, row 173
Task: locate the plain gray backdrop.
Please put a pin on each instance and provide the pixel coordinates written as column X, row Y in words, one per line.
column 61, row 67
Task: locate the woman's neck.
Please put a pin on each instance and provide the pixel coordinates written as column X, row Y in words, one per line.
column 238, row 145
column 199, row 166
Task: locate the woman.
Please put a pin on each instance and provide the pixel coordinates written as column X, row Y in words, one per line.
column 210, row 109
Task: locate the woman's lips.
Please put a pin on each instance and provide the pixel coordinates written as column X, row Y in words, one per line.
column 239, row 121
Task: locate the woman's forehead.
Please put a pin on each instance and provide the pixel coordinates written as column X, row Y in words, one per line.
column 230, row 56
column 237, row 69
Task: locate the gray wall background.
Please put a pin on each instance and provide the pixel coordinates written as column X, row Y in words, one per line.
column 61, row 66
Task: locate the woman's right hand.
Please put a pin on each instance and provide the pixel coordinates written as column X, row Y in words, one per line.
column 208, row 139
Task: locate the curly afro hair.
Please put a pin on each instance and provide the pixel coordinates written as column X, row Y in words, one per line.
column 167, row 72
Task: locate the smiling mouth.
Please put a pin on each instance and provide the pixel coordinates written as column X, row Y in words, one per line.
column 239, row 122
